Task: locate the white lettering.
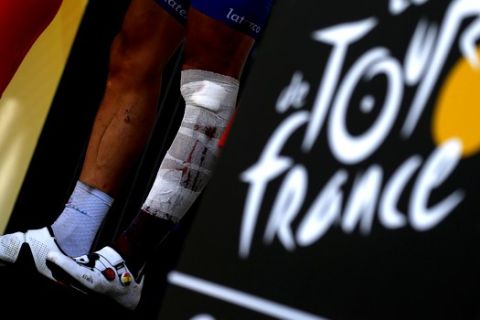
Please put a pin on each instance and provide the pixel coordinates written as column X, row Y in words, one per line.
column 270, row 166
column 389, row 215
column 340, row 37
column 177, row 7
column 468, row 43
column 437, row 169
column 347, row 148
column 457, row 12
column 361, row 205
column 325, row 210
column 290, row 199
column 419, row 52
column 294, row 94
column 238, row 19
column 371, row 193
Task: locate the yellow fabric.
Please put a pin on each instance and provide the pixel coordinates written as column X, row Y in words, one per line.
column 27, row 99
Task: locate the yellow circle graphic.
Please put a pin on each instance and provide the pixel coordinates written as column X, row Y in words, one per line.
column 457, row 113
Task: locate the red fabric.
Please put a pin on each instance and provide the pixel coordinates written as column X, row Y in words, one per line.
column 21, row 22
column 224, row 136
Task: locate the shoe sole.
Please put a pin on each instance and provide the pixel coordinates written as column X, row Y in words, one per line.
column 62, row 277
column 65, row 279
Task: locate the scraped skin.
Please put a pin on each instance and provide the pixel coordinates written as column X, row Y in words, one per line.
column 139, row 53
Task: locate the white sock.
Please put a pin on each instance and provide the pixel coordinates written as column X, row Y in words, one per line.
column 210, row 100
column 76, row 227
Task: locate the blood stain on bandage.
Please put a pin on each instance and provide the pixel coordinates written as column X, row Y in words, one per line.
column 186, row 169
column 210, row 132
column 193, row 179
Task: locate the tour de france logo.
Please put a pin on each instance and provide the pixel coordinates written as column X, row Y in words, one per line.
column 457, row 113
column 353, row 200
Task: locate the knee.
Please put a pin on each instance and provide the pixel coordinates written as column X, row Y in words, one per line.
column 131, row 60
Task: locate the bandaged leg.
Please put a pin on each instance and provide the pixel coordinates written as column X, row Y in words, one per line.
column 187, row 167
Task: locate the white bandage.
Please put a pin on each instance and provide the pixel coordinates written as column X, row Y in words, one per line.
column 210, row 100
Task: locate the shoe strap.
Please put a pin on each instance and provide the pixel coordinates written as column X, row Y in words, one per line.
column 111, row 256
column 116, row 261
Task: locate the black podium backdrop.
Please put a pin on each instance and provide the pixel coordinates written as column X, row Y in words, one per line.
column 349, row 186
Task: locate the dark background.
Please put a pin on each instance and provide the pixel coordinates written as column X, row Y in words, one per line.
column 399, row 274
column 389, row 274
